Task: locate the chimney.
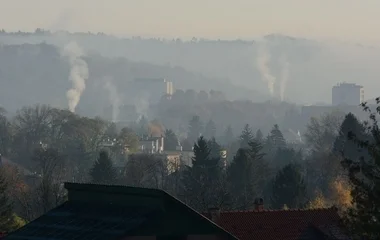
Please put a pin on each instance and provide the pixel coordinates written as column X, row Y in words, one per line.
column 259, row 204
column 214, row 214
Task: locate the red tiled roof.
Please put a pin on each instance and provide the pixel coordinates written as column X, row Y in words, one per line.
column 277, row 224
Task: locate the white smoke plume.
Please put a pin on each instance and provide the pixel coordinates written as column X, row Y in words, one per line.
column 263, row 58
column 114, row 98
column 284, row 75
column 78, row 73
column 299, row 135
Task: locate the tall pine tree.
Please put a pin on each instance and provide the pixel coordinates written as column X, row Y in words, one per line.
column 345, row 146
column 363, row 219
column 201, row 181
column 276, row 138
column 210, row 129
column 259, row 136
column 214, row 147
column 103, row 171
column 246, row 136
column 285, row 156
column 246, row 175
column 289, row 188
column 228, row 135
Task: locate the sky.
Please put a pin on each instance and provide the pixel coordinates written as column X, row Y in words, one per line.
column 352, row 20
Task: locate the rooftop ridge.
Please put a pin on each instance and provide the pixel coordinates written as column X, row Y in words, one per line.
column 333, row 208
column 116, row 189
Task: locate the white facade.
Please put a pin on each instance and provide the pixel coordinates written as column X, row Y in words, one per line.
column 347, row 94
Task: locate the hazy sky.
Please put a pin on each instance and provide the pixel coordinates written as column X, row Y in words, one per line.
column 336, row 19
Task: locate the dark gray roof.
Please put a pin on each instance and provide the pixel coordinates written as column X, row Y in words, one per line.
column 83, row 221
column 101, row 212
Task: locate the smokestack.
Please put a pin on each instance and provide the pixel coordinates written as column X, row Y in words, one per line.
column 214, row 214
column 259, row 204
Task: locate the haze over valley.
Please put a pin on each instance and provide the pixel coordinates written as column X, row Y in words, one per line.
column 228, row 106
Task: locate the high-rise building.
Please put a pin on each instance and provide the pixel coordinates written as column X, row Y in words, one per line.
column 347, row 94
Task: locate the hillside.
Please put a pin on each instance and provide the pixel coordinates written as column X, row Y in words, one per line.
column 304, row 69
column 38, row 73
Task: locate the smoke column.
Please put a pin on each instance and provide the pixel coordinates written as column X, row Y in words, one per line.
column 114, row 98
column 78, row 74
column 284, row 75
column 263, row 59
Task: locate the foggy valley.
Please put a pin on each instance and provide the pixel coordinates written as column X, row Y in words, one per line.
column 214, row 123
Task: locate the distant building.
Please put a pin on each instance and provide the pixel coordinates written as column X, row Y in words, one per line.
column 152, row 89
column 152, row 144
column 347, row 94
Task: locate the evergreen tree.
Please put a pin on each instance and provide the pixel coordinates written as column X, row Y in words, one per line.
column 289, row 188
column 363, row 218
column 171, row 140
column 246, row 136
column 343, row 145
column 214, row 147
column 5, row 203
column 210, row 130
column 200, row 182
column 246, row 175
column 285, row 156
column 276, row 138
column 228, row 135
column 195, row 129
column 259, row 136
column 202, row 155
column 103, row 171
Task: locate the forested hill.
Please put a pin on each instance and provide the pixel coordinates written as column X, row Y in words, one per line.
column 37, row 73
column 305, row 67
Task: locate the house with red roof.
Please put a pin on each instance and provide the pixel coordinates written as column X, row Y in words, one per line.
column 296, row 224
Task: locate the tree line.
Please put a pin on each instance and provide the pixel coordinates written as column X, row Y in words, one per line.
column 337, row 166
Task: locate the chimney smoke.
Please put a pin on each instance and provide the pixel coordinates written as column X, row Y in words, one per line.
column 263, row 59
column 78, row 73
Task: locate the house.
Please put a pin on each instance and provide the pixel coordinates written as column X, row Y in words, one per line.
column 261, row 224
column 151, row 144
column 121, row 213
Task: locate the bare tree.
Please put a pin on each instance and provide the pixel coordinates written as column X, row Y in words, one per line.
column 146, row 170
column 50, row 189
column 322, row 132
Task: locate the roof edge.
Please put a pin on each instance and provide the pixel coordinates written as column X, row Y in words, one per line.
column 115, row 189
column 333, row 208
